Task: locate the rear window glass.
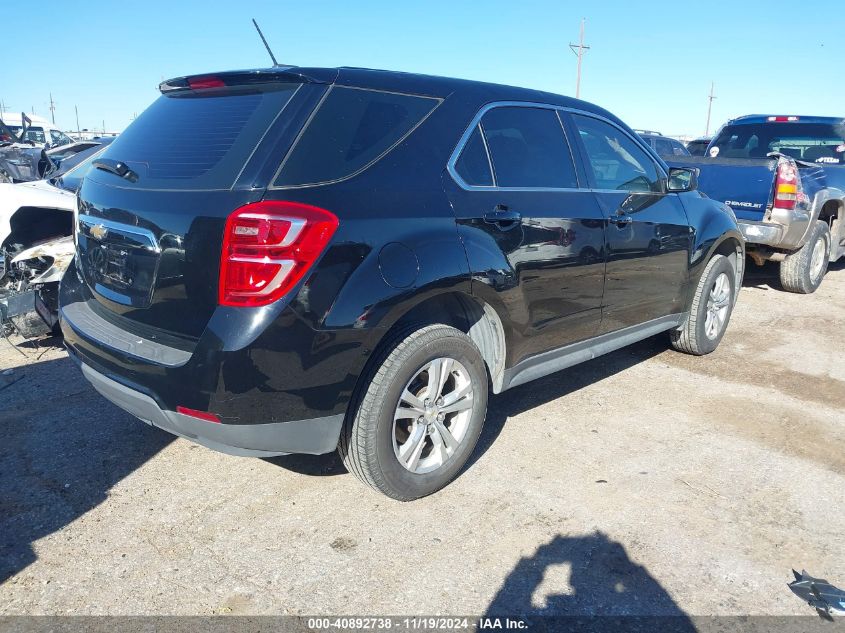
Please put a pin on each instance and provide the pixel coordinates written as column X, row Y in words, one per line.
column 811, row 142
column 351, row 129
column 472, row 165
column 195, row 141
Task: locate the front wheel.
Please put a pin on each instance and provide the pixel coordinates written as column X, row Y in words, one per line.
column 803, row 270
column 419, row 415
column 711, row 309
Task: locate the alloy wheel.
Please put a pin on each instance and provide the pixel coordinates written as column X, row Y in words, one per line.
column 433, row 415
column 718, row 304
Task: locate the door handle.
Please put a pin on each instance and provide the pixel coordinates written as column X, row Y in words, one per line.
column 502, row 217
column 620, row 219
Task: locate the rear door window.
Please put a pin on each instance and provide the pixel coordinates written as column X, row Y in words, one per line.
column 528, row 148
column 473, row 165
column 616, row 160
column 351, row 130
column 197, row 140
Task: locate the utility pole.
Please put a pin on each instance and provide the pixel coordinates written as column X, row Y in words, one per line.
column 52, row 109
column 579, row 49
column 2, row 108
column 75, row 109
column 709, row 108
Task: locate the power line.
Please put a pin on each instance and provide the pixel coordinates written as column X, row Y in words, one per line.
column 709, row 109
column 579, row 49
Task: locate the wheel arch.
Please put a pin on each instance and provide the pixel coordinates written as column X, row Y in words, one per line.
column 459, row 309
column 730, row 244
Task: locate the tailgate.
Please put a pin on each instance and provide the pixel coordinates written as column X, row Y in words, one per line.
column 745, row 185
column 153, row 209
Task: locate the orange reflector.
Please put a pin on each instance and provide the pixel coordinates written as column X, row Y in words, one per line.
column 787, row 188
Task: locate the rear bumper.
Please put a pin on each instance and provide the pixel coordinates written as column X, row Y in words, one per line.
column 277, row 382
column 764, row 233
column 786, row 231
column 315, row 436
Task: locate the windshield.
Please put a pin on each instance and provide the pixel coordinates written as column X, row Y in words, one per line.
column 34, row 134
column 811, row 142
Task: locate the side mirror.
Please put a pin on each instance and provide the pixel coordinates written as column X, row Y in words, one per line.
column 682, row 179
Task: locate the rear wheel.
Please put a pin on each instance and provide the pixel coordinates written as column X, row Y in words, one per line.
column 803, row 270
column 418, row 417
column 711, row 309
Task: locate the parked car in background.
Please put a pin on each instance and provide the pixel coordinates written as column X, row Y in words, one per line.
column 23, row 161
column 39, row 131
column 663, row 145
column 698, row 146
column 36, row 244
column 361, row 269
column 784, row 177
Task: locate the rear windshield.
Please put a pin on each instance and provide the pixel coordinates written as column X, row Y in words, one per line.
column 193, row 140
column 351, row 129
column 811, row 142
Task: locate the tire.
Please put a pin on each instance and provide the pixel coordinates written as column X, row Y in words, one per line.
column 716, row 290
column 371, row 442
column 803, row 270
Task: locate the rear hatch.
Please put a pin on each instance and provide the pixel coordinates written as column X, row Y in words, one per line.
column 153, row 209
column 744, row 184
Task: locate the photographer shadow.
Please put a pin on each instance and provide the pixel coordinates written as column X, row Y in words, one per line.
column 606, row 589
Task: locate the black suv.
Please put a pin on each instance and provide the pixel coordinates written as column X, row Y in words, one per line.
column 294, row 260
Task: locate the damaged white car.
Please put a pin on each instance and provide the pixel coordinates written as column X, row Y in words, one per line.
column 36, row 245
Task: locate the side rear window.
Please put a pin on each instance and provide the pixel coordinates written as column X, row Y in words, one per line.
column 198, row 141
column 662, row 147
column 473, row 165
column 617, row 162
column 351, row 129
column 528, row 148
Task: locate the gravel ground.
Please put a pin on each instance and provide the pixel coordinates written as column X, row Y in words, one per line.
column 644, row 482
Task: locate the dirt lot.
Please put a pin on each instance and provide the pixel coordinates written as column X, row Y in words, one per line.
column 644, row 482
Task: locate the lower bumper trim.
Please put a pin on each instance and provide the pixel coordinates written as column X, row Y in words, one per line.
column 314, row 436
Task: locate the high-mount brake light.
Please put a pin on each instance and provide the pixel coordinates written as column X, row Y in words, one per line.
column 787, row 185
column 781, row 119
column 268, row 247
column 198, row 83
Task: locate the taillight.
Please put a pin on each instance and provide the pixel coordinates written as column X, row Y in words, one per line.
column 268, row 247
column 787, row 184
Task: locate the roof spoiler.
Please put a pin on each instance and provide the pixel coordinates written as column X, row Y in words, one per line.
column 240, row 78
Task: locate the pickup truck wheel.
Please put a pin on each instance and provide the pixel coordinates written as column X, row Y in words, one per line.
column 803, row 270
column 711, row 309
column 418, row 416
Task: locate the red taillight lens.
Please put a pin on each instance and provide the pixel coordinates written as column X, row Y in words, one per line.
column 268, row 247
column 787, row 185
column 199, row 415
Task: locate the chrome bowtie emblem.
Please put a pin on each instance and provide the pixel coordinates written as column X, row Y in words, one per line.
column 99, row 232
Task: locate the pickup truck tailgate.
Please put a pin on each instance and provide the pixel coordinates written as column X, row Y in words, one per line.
column 744, row 184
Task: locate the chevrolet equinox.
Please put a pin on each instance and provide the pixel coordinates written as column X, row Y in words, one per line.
column 298, row 260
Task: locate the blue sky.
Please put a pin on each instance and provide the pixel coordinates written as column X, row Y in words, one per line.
column 651, row 63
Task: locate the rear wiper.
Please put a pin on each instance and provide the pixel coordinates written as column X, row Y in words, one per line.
column 116, row 167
